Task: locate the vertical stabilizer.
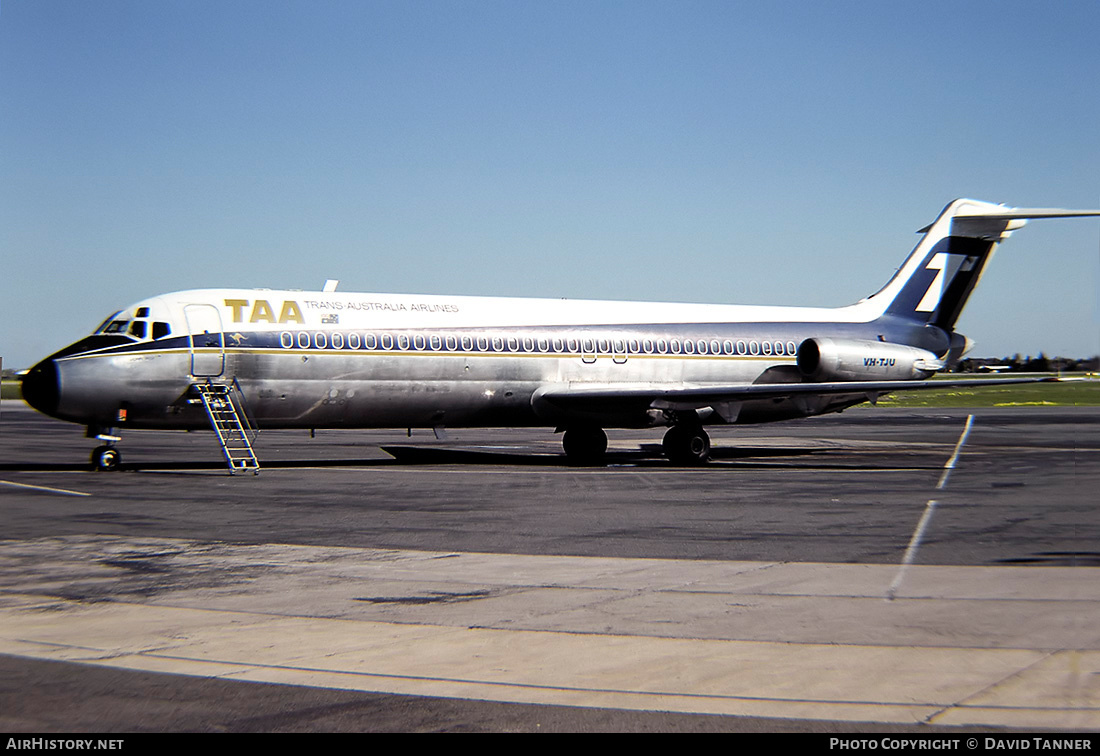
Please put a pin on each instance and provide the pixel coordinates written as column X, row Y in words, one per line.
column 935, row 282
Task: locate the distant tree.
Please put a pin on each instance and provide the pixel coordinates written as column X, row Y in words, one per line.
column 1038, row 365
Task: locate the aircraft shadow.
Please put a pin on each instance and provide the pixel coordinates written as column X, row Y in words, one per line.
column 648, row 455
column 422, row 455
column 159, row 466
column 645, row 456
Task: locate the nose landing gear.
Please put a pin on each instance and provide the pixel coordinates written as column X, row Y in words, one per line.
column 106, row 456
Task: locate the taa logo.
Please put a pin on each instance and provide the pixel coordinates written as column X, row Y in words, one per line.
column 263, row 312
column 946, row 266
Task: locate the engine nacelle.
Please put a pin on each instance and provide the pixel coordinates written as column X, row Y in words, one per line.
column 853, row 360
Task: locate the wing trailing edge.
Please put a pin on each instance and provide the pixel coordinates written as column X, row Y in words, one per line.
column 599, row 399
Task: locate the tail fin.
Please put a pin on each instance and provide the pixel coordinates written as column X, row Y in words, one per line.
column 934, row 283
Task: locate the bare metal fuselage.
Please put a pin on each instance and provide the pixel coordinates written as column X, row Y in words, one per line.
column 425, row 377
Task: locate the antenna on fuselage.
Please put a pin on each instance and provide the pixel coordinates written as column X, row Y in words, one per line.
column 331, row 284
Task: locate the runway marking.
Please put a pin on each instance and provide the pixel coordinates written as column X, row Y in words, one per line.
column 64, row 491
column 929, row 508
column 911, row 551
column 947, row 468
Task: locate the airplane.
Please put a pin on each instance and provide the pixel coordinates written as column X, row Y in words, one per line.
column 296, row 359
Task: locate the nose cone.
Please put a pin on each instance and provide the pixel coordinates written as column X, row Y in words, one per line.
column 41, row 388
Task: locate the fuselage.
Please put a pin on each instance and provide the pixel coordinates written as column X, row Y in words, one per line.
column 347, row 360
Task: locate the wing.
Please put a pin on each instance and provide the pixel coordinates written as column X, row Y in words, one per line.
column 727, row 400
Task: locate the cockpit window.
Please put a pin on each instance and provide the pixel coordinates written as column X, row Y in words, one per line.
column 103, row 326
column 138, row 328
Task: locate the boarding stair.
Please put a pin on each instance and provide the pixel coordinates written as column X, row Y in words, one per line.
column 230, row 422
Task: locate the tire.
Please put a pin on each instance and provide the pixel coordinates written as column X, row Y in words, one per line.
column 685, row 445
column 585, row 445
column 106, row 458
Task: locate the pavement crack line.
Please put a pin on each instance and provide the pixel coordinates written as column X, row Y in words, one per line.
column 961, row 703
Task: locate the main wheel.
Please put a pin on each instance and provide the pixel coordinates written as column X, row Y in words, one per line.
column 686, row 445
column 106, row 458
column 585, row 445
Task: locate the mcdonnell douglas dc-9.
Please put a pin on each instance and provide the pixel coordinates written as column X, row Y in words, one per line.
column 228, row 359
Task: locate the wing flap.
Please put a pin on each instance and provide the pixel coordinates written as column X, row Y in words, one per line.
column 601, row 398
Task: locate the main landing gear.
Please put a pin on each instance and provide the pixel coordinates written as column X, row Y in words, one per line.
column 685, row 444
column 585, row 445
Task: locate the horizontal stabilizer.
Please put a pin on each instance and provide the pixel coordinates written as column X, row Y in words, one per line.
column 982, row 220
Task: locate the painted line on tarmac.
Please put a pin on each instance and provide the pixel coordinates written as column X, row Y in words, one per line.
column 947, row 468
column 929, row 509
column 64, row 491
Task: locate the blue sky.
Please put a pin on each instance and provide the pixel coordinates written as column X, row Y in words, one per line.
column 742, row 152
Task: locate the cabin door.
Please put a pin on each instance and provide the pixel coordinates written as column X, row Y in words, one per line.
column 205, row 339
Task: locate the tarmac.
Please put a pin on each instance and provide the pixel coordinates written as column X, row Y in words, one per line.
column 880, row 569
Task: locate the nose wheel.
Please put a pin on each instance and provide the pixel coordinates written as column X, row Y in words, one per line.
column 106, row 458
